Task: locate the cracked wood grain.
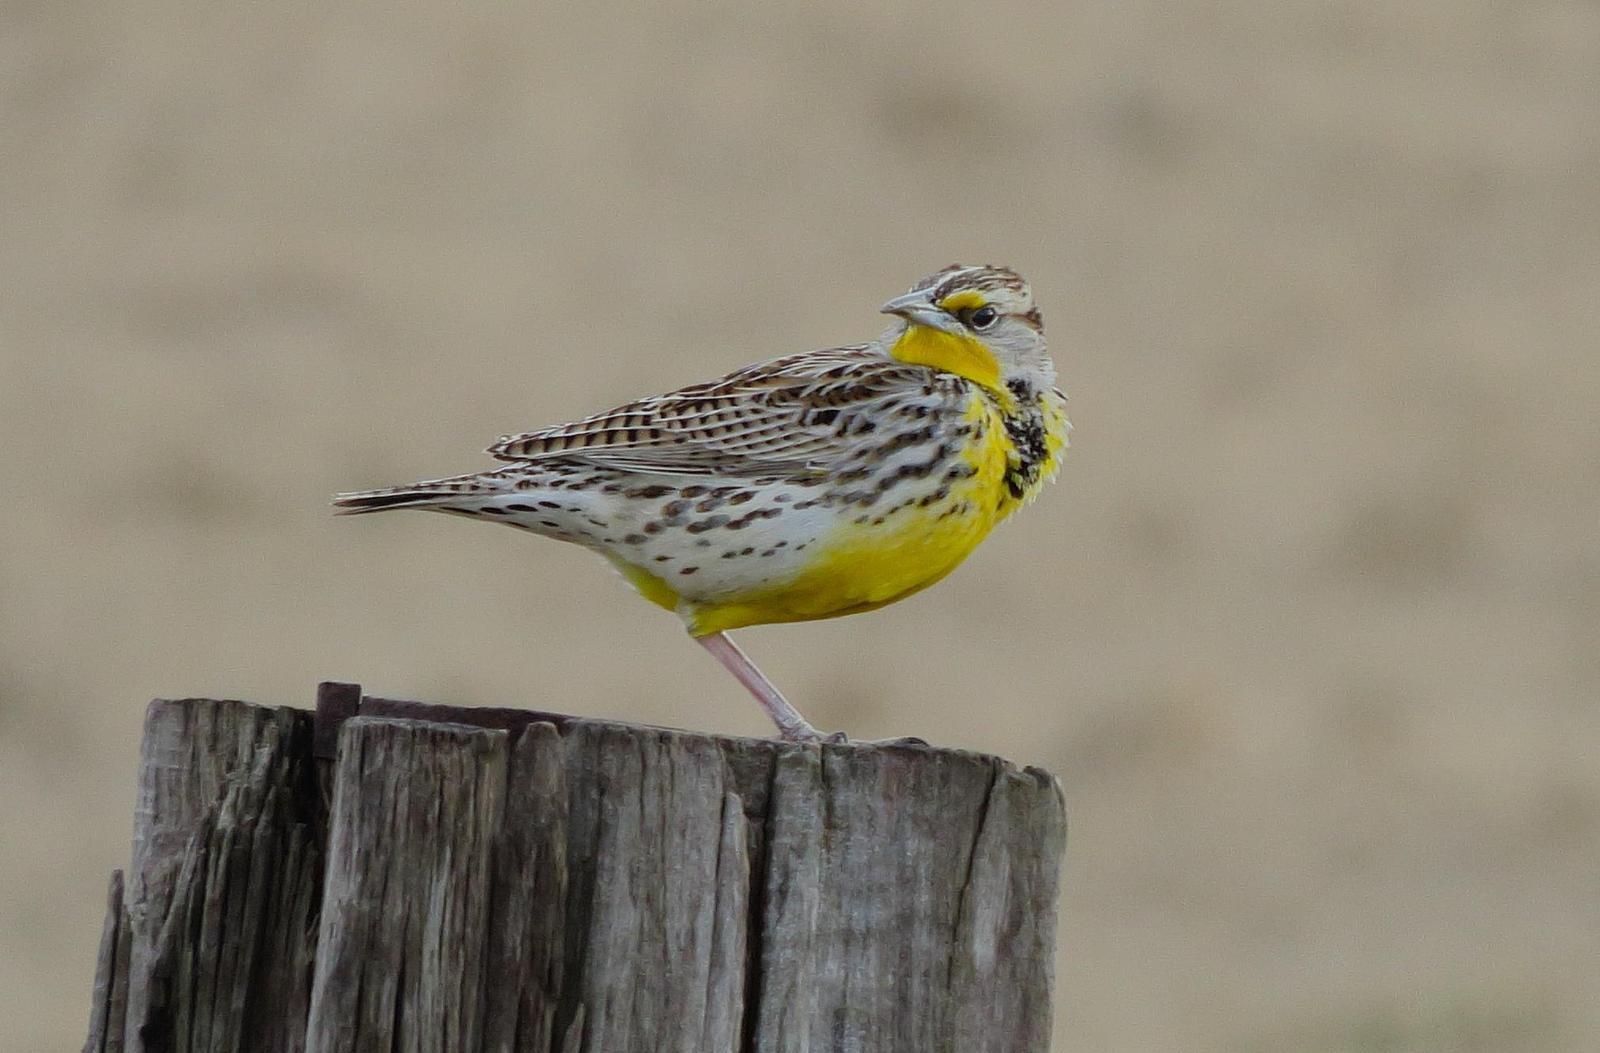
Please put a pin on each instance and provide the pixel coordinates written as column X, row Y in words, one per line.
column 400, row 953
column 109, row 1005
column 214, row 944
column 545, row 884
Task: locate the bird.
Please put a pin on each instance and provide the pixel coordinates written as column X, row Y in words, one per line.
column 815, row 485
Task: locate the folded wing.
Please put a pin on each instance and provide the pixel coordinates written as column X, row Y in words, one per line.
column 789, row 417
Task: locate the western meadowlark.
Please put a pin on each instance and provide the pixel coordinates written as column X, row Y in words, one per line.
column 820, row 484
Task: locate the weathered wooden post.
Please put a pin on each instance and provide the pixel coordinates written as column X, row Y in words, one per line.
column 397, row 876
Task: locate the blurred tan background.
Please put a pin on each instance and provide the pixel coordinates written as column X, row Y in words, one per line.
column 1309, row 629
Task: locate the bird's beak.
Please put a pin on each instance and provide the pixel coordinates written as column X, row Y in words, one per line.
column 915, row 308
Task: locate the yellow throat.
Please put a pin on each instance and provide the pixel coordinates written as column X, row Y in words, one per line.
column 964, row 356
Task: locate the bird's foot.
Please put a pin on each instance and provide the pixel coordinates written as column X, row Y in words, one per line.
column 806, row 733
column 839, row 738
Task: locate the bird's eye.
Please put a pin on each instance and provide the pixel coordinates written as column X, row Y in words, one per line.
column 983, row 317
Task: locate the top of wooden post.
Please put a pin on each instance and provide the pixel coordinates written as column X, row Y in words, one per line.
column 441, row 877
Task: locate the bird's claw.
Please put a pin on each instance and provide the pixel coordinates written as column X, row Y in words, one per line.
column 839, row 738
column 809, row 734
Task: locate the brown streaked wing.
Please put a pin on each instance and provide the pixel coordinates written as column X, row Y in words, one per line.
column 777, row 418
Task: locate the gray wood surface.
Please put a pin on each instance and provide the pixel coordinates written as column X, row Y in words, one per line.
column 417, row 809
column 212, row 943
column 505, row 880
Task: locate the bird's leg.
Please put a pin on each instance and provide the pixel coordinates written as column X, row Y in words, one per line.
column 791, row 725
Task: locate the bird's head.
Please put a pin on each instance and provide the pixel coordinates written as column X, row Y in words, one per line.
column 976, row 322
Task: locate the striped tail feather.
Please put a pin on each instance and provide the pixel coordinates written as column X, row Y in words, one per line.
column 437, row 494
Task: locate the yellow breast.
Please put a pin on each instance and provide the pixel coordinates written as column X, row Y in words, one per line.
column 860, row 566
column 865, row 561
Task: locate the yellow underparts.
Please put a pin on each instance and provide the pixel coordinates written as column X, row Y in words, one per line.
column 650, row 587
column 964, row 356
column 863, row 566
